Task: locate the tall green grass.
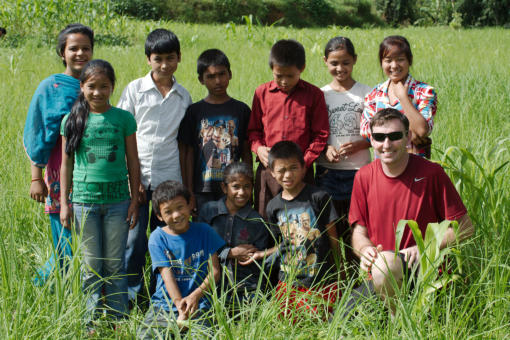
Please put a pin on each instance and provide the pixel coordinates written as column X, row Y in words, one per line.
column 467, row 67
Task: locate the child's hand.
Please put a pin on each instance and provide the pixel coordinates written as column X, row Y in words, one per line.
column 38, row 190
column 262, row 153
column 132, row 215
column 332, row 154
column 351, row 148
column 242, row 252
column 188, row 305
column 142, row 195
column 258, row 255
column 65, row 216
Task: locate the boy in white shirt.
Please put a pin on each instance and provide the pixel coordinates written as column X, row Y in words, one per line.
column 158, row 103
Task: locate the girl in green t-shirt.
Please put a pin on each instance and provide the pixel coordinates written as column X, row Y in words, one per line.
column 100, row 159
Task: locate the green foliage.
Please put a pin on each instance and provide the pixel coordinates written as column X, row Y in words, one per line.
column 472, row 87
column 396, row 12
column 41, row 20
column 484, row 12
column 142, row 9
column 431, row 259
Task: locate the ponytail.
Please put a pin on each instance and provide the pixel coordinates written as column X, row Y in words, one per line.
column 75, row 124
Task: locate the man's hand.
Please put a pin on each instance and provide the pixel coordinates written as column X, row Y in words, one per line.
column 38, row 190
column 368, row 256
column 262, row 153
column 242, row 252
column 411, row 255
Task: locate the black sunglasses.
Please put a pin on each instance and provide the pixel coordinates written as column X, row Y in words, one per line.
column 393, row 136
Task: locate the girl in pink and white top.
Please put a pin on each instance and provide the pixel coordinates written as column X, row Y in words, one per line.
column 346, row 150
column 415, row 99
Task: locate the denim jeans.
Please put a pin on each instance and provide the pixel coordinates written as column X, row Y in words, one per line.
column 137, row 247
column 104, row 231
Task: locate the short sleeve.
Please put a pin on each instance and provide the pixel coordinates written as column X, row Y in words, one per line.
column 130, row 124
column 126, row 101
column 358, row 209
column 369, row 108
column 186, row 129
column 427, row 103
column 158, row 252
column 63, row 125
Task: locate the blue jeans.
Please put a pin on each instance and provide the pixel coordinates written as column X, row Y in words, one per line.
column 137, row 247
column 62, row 239
column 104, row 232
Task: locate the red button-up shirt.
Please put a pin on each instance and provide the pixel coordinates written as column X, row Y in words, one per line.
column 300, row 117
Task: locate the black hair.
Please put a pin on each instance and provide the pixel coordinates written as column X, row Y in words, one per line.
column 77, row 120
column 237, row 168
column 386, row 115
column 162, row 41
column 73, row 29
column 340, row 43
column 285, row 150
column 168, row 191
column 395, row 40
column 287, row 53
column 212, row 57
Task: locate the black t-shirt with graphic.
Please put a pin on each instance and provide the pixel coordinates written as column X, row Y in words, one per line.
column 300, row 226
column 217, row 133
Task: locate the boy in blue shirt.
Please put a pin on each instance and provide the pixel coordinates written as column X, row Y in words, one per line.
column 158, row 103
column 184, row 261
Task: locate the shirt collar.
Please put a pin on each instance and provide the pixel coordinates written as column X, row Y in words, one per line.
column 148, row 84
column 273, row 87
column 243, row 213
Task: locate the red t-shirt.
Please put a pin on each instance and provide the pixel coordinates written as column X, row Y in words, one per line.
column 300, row 117
column 423, row 193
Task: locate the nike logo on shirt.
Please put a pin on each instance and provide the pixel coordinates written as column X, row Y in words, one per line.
column 416, row 179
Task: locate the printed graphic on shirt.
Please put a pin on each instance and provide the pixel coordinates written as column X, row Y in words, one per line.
column 102, row 141
column 218, row 143
column 299, row 234
column 344, row 120
column 184, row 270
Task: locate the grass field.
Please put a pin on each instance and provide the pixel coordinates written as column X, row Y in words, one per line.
column 469, row 69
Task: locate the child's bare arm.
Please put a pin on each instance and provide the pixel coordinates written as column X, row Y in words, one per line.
column 133, row 165
column 247, row 156
column 66, row 176
column 187, row 164
column 38, row 189
column 189, row 304
column 173, row 290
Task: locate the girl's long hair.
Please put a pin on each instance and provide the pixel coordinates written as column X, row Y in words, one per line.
column 77, row 120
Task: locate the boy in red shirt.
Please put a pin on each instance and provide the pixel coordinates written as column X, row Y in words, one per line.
column 286, row 108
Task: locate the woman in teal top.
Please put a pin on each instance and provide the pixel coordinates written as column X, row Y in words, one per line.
column 100, row 159
column 54, row 98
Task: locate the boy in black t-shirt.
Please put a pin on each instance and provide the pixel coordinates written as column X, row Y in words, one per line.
column 213, row 132
column 304, row 224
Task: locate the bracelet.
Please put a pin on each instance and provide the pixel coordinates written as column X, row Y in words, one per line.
column 37, row 179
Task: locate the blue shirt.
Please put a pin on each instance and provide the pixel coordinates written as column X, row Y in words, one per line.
column 187, row 254
column 245, row 227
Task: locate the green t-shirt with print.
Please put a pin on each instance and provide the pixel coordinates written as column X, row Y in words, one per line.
column 100, row 171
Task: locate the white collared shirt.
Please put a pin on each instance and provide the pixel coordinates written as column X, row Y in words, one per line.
column 158, row 121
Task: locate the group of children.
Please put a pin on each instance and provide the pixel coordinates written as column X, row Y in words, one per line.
column 195, row 161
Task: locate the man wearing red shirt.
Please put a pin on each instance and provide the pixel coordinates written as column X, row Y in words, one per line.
column 397, row 186
column 286, row 108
